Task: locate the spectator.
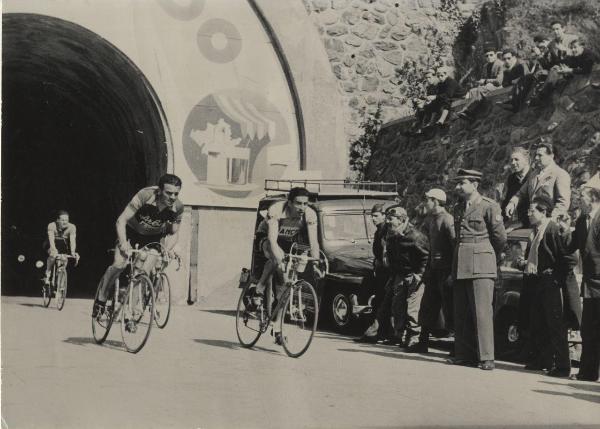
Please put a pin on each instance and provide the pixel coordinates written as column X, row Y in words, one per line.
column 425, row 111
column 559, row 46
column 381, row 275
column 544, row 258
column 447, row 90
column 579, row 61
column 519, row 164
column 586, row 239
column 406, row 253
column 491, row 79
column 439, row 228
column 548, row 179
column 513, row 68
column 480, row 236
column 541, row 56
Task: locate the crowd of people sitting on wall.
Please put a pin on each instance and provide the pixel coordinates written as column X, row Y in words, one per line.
column 553, row 61
column 442, row 265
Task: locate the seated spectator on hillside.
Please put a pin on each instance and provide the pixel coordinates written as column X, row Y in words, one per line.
column 539, row 66
column 559, row 46
column 513, row 68
column 491, row 79
column 447, row 91
column 424, row 107
column 519, row 164
column 579, row 61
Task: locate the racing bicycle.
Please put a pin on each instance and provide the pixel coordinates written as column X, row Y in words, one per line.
column 297, row 302
column 58, row 282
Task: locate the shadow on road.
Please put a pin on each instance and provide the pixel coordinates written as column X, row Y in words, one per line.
column 84, row 341
column 582, row 396
column 582, row 385
column 28, row 304
column 231, row 345
column 225, row 312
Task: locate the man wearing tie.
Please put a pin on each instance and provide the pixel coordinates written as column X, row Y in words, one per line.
column 586, row 239
column 480, row 236
column 549, row 180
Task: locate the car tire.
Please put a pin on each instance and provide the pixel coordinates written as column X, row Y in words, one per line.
column 506, row 334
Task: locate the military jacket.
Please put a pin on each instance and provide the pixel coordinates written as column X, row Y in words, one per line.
column 480, row 236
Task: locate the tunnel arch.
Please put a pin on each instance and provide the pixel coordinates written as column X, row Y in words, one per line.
column 82, row 130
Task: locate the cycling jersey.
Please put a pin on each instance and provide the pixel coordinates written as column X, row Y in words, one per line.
column 148, row 219
column 61, row 237
column 291, row 229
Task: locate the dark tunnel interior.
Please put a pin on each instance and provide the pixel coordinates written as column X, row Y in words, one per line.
column 82, row 131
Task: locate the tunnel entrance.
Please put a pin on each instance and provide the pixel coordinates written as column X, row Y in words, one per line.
column 82, row 130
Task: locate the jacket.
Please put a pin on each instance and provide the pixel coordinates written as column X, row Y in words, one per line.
column 552, row 251
column 587, row 241
column 511, row 75
column 552, row 181
column 493, row 73
column 407, row 253
column 480, row 237
column 439, row 228
column 512, row 186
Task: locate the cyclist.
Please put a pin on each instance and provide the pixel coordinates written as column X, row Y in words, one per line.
column 153, row 214
column 62, row 236
column 287, row 222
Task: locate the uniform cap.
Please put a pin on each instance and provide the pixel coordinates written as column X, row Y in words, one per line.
column 468, row 174
column 593, row 183
column 436, row 193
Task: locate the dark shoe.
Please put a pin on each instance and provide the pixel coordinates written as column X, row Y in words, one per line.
column 534, row 366
column 392, row 342
column 372, row 339
column 559, row 372
column 417, row 348
column 487, row 365
column 460, row 362
column 98, row 308
column 278, row 338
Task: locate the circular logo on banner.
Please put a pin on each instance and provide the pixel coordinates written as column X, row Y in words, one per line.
column 233, row 140
column 181, row 12
column 219, row 40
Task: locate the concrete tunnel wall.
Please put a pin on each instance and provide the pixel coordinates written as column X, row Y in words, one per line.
column 245, row 92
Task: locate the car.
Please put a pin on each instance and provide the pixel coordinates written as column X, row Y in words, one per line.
column 507, row 292
column 345, row 233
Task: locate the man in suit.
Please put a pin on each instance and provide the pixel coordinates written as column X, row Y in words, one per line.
column 439, row 228
column 480, row 236
column 491, row 79
column 521, row 171
column 513, row 68
column 549, row 179
column 543, row 269
column 586, row 238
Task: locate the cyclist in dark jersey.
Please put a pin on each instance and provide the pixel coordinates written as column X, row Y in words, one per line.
column 287, row 222
column 62, row 239
column 153, row 215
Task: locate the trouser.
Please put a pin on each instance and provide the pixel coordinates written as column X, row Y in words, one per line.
column 473, row 319
column 548, row 327
column 522, row 89
column 380, row 279
column 572, row 301
column 589, row 366
column 401, row 305
column 436, row 296
column 113, row 272
column 526, row 300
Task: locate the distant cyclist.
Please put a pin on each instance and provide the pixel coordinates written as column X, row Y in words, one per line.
column 287, row 222
column 62, row 239
column 152, row 215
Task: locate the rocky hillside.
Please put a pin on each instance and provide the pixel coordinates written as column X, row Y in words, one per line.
column 431, row 159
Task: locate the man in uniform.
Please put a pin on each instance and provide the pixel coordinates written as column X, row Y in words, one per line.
column 480, row 236
column 439, row 228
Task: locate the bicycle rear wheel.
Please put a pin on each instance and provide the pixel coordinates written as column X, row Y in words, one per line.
column 247, row 320
column 299, row 321
column 103, row 321
column 162, row 300
column 137, row 313
column 61, row 288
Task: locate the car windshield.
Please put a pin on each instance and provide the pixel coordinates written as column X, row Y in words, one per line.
column 350, row 227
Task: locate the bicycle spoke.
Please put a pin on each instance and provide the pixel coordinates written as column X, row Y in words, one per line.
column 137, row 314
column 162, row 300
column 248, row 320
column 299, row 321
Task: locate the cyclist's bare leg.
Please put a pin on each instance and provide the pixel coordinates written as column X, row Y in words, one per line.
column 111, row 274
column 268, row 268
column 49, row 265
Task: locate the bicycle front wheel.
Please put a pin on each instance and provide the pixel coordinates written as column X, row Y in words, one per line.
column 61, row 288
column 300, row 316
column 46, row 294
column 103, row 321
column 247, row 320
column 162, row 300
column 137, row 313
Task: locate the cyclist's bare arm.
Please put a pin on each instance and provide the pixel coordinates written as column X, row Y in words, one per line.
column 73, row 240
column 170, row 240
column 313, row 240
column 273, row 233
column 51, row 238
column 122, row 220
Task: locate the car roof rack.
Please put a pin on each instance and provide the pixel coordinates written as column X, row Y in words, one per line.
column 334, row 187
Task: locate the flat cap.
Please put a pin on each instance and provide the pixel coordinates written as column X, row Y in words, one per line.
column 437, row 194
column 468, row 174
column 396, row 211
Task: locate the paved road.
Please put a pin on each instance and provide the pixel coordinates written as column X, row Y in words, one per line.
column 194, row 375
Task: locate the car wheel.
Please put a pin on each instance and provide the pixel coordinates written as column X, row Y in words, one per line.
column 507, row 334
column 341, row 310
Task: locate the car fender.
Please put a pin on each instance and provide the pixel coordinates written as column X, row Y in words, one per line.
column 510, row 299
column 350, row 280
